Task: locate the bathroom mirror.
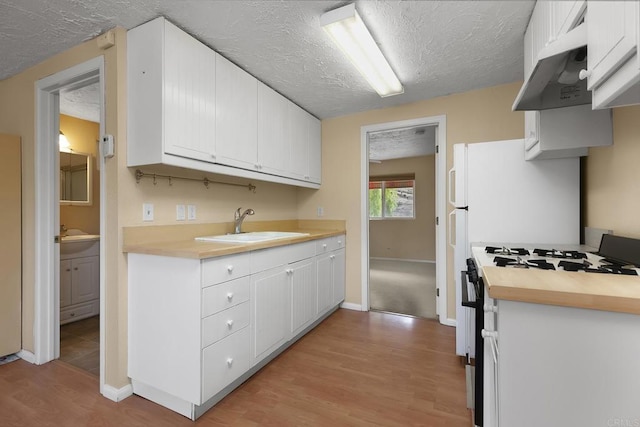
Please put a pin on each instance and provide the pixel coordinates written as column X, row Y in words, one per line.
column 75, row 178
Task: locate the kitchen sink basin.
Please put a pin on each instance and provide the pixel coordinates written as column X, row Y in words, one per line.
column 77, row 243
column 253, row 237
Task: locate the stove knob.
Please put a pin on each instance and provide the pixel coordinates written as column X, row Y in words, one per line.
column 490, row 308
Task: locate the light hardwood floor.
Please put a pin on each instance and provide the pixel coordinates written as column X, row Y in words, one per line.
column 355, row 369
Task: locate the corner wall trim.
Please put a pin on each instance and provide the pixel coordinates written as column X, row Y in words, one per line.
column 351, row 306
column 117, row 394
column 27, row 356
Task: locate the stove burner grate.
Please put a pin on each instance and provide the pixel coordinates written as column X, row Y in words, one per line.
column 505, row 251
column 520, row 263
column 554, row 253
column 604, row 269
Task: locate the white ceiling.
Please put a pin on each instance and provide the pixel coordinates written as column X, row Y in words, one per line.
column 436, row 47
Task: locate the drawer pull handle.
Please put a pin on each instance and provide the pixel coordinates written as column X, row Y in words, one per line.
column 230, row 296
column 229, row 323
column 230, row 362
column 230, row 268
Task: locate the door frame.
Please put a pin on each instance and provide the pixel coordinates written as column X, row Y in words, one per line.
column 440, row 122
column 47, row 207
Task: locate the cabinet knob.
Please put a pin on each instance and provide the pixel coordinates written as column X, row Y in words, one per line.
column 324, row 246
column 75, row 268
column 213, row 156
column 584, row 74
column 230, row 362
column 230, row 296
column 289, row 271
column 230, row 268
column 68, row 269
column 71, row 314
column 339, row 242
column 229, row 323
column 332, row 256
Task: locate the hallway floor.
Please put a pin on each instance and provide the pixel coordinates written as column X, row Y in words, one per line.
column 80, row 344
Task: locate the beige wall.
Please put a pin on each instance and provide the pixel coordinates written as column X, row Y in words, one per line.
column 481, row 115
column 83, row 136
column 408, row 238
column 17, row 116
column 613, row 178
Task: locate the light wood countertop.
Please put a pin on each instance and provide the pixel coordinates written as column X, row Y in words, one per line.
column 608, row 292
column 178, row 241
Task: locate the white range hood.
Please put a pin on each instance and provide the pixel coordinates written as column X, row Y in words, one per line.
column 554, row 81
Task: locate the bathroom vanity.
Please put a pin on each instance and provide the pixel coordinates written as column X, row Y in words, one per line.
column 79, row 277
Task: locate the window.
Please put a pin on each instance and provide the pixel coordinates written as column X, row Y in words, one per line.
column 391, row 197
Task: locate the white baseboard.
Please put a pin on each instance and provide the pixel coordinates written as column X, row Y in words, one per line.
column 351, row 306
column 117, row 394
column 403, row 259
column 27, row 356
column 448, row 322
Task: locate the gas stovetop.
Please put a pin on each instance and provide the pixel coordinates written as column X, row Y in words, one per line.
column 560, row 260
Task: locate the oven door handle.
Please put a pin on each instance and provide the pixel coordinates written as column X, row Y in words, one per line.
column 465, row 291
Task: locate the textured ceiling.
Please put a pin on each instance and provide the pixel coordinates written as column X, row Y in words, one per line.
column 436, row 47
column 401, row 143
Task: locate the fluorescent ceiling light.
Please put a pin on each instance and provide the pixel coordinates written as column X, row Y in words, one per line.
column 349, row 32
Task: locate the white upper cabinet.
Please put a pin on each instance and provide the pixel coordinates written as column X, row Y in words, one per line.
column 171, row 93
column 613, row 61
column 306, row 150
column 189, row 107
column 236, row 116
column 274, row 143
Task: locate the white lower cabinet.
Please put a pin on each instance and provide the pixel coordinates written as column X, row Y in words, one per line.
column 270, row 308
column 80, row 287
column 559, row 366
column 198, row 328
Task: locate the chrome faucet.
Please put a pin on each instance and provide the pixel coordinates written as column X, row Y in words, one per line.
column 238, row 218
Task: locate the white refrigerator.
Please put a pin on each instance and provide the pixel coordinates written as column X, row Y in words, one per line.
column 501, row 198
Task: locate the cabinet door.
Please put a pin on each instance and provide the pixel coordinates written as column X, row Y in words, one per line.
column 612, row 37
column 325, row 283
column 65, row 283
column 315, row 150
column 299, row 136
column 303, row 294
column 236, row 116
column 274, row 144
column 566, row 15
column 338, row 260
column 85, row 279
column 189, row 96
column 271, row 311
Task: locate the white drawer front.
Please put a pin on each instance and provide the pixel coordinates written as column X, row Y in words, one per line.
column 225, row 295
column 220, row 325
column 79, row 311
column 225, row 361
column 330, row 244
column 222, row 269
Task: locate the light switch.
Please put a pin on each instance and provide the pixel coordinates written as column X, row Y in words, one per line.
column 147, row 211
column 180, row 213
column 191, row 212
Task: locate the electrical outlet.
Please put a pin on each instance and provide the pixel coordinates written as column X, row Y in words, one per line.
column 320, row 211
column 147, row 211
column 180, row 213
column 191, row 212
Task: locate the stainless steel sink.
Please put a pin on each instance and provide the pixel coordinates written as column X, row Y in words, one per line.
column 253, row 237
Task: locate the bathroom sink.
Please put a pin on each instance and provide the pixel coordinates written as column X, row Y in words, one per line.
column 253, row 237
column 77, row 243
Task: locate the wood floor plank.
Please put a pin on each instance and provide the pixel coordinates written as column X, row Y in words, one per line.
column 354, row 369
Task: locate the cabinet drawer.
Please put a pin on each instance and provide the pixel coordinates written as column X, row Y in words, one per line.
column 224, row 323
column 224, row 361
column 225, row 295
column 330, row 244
column 79, row 311
column 222, row 269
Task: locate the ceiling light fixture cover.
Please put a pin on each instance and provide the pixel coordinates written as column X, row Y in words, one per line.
column 348, row 31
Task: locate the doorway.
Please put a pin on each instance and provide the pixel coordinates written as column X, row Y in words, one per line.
column 49, row 92
column 404, row 245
